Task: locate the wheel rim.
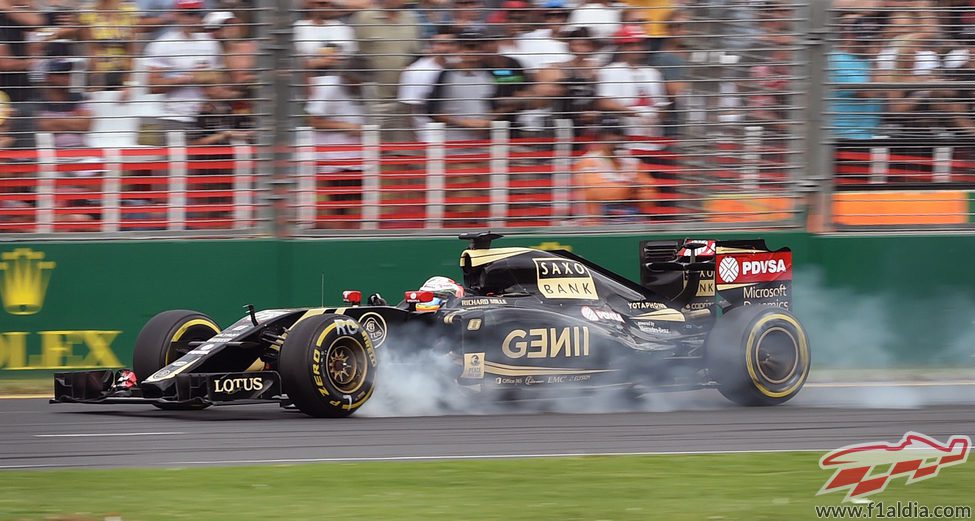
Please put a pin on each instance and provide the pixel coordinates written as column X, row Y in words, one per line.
column 346, row 365
column 192, row 331
column 777, row 355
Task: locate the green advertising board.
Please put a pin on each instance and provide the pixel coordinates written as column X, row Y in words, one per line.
column 867, row 301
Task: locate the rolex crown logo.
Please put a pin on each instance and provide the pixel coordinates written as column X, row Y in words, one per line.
column 24, row 275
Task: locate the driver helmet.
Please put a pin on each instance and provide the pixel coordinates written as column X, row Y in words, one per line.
column 443, row 288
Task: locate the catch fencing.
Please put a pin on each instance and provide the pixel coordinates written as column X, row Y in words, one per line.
column 331, row 119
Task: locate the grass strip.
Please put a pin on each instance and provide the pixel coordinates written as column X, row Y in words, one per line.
column 767, row 486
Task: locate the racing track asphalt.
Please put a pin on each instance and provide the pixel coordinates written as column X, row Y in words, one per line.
column 34, row 434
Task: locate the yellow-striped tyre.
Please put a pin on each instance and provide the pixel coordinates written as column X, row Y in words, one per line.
column 328, row 366
column 758, row 355
column 164, row 339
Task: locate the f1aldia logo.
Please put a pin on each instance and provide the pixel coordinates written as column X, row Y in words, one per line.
column 867, row 468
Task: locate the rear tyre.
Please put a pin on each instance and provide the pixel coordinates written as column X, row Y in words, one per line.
column 328, row 366
column 164, row 339
column 758, row 355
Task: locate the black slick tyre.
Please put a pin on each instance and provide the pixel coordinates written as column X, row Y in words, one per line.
column 164, row 339
column 758, row 355
column 328, row 366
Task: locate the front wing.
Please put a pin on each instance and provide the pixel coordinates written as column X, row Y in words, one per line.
column 96, row 387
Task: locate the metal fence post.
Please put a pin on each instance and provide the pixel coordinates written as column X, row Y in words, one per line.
column 370, row 177
column 243, row 183
column 306, row 172
column 562, row 163
column 818, row 150
column 47, row 169
column 275, row 179
column 176, row 141
column 436, row 172
column 500, row 148
column 112, row 188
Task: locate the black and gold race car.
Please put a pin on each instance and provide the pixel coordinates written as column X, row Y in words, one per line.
column 703, row 314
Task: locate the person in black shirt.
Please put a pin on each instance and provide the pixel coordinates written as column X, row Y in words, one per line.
column 17, row 18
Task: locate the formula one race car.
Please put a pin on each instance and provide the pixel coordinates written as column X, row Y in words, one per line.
column 704, row 314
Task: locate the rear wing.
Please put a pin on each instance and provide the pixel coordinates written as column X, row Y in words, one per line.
column 734, row 273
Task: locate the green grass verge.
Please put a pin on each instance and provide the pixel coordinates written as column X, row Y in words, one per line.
column 26, row 382
column 700, row 487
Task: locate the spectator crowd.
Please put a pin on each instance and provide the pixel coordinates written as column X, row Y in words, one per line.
column 614, row 70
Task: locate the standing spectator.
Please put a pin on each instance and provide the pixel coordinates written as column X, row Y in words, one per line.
column 337, row 112
column 59, row 35
column 599, row 16
column 322, row 40
column 218, row 123
column 17, row 18
column 417, row 81
column 567, row 90
column 109, row 33
column 389, row 40
column 239, row 57
column 539, row 48
column 856, row 114
column 510, row 79
column 922, row 34
column 914, row 112
column 155, row 17
column 656, row 15
column 552, row 18
column 62, row 111
column 611, row 181
column 633, row 88
column 177, row 59
column 673, row 62
column 462, row 95
column 508, row 23
column 433, row 14
column 769, row 81
column 468, row 15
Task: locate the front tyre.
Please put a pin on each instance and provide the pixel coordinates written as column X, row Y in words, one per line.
column 758, row 355
column 328, row 366
column 166, row 338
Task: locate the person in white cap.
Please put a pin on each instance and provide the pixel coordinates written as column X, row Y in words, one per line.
column 239, row 54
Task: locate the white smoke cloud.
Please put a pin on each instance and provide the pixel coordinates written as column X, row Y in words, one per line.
column 854, row 339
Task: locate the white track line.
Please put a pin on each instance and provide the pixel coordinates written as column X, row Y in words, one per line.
column 105, row 434
column 483, row 456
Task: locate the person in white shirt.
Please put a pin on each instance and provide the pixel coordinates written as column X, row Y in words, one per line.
column 601, row 18
column 323, row 41
column 537, row 48
column 176, row 61
column 337, row 112
column 416, row 82
column 634, row 89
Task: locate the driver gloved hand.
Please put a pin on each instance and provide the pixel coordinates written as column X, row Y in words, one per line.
column 376, row 300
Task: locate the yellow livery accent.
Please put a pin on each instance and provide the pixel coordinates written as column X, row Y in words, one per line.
column 664, row 315
column 751, row 346
column 482, row 257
